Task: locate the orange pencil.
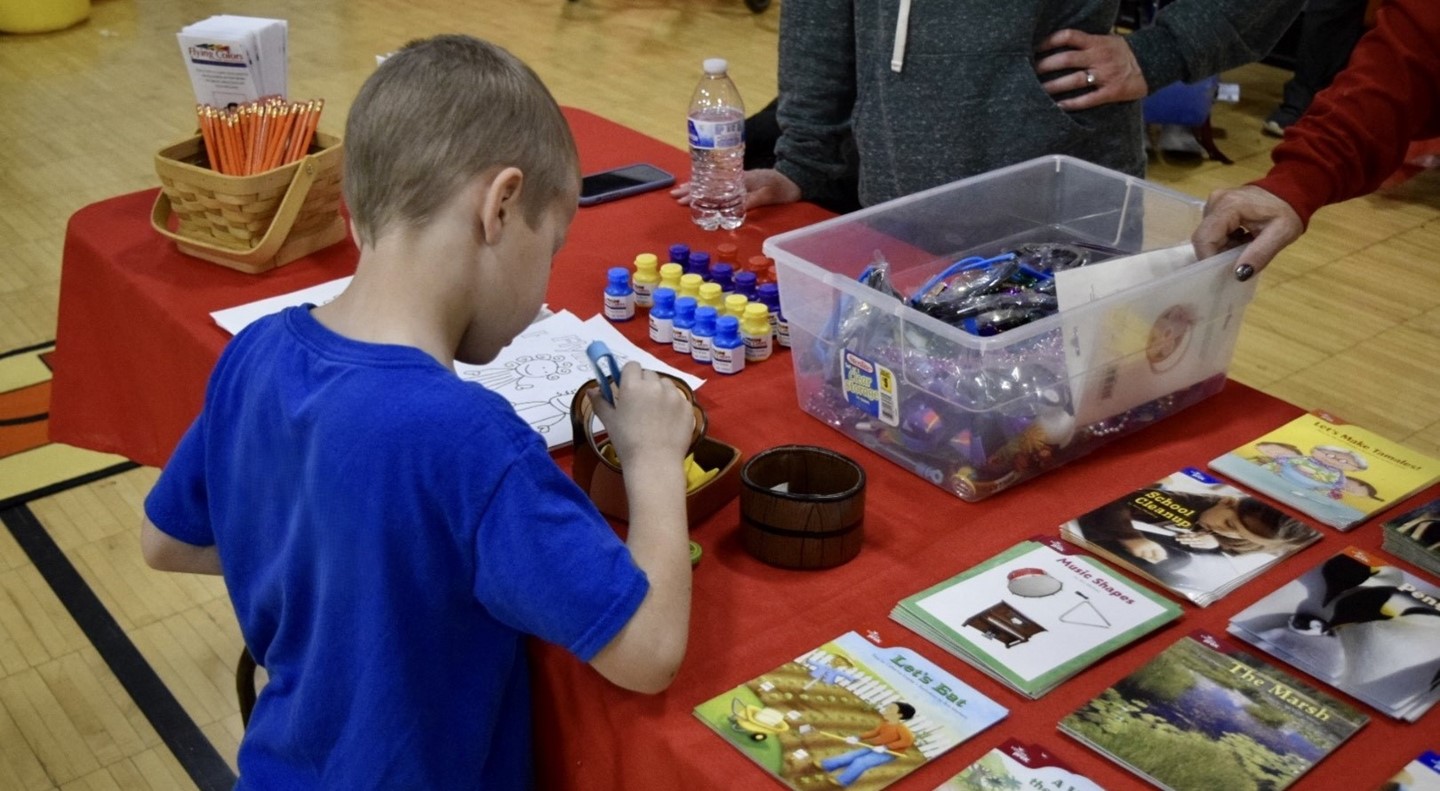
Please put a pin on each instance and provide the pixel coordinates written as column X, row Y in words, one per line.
column 234, row 135
column 205, row 135
column 311, row 121
column 282, row 137
column 262, row 140
column 302, row 111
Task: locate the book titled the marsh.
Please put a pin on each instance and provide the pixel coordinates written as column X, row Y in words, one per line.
column 1203, row 715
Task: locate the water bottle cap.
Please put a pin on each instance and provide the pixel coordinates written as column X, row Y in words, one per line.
column 715, row 65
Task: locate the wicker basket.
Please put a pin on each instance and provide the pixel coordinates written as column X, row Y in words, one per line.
column 250, row 223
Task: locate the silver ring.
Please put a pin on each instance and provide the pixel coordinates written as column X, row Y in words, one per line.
column 1089, row 77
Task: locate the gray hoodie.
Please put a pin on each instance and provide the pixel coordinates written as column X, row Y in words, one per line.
column 947, row 88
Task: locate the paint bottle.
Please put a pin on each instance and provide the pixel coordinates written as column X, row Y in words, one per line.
column 679, row 254
column 646, row 279
column 727, row 252
column 764, row 268
column 699, row 263
column 702, row 335
column 745, row 284
column 728, row 354
column 670, row 277
column 735, row 306
column 619, row 296
column 723, row 275
column 768, row 294
column 690, row 286
column 755, row 332
column 710, row 294
column 662, row 316
column 684, row 322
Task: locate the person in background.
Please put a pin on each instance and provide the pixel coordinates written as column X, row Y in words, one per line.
column 936, row 92
column 388, row 532
column 1354, row 135
column 1328, row 32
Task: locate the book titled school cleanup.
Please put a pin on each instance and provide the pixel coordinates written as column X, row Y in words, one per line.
column 1203, row 716
column 1337, row 472
column 1191, row 534
column 851, row 712
column 1035, row 614
column 1359, row 623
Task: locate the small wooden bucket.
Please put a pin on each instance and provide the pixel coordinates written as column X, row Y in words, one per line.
column 802, row 507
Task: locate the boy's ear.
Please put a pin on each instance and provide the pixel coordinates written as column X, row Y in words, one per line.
column 500, row 203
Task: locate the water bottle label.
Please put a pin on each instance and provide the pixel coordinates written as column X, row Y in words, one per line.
column 680, row 340
column 619, row 308
column 645, row 294
column 716, row 134
column 700, row 348
column 728, row 360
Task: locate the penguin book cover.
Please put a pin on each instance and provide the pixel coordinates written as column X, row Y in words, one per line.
column 1360, row 623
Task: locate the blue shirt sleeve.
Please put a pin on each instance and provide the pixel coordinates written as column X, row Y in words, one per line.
column 179, row 504
column 548, row 564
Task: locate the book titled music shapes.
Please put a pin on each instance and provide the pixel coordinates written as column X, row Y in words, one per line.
column 1415, row 536
column 1338, row 473
column 1191, row 534
column 1035, row 615
column 1203, row 715
column 1359, row 623
column 851, row 712
column 1014, row 765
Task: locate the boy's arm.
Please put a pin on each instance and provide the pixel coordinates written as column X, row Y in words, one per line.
column 164, row 553
column 650, row 427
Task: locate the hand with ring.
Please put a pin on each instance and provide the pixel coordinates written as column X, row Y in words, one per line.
column 1103, row 63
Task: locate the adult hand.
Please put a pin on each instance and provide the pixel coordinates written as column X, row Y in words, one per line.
column 762, row 188
column 1270, row 221
column 1104, row 62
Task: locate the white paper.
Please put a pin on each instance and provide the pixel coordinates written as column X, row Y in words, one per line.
column 1131, row 351
column 232, row 320
column 541, row 370
column 235, row 59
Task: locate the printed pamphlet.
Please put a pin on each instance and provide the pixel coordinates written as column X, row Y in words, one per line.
column 1035, row 615
column 1204, row 715
column 1421, row 774
column 235, row 59
column 1358, row 623
column 1338, row 473
column 1191, row 534
column 1014, row 765
column 851, row 712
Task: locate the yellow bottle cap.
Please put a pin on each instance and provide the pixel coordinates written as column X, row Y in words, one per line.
column 646, row 262
column 690, row 285
column 711, row 294
column 735, row 305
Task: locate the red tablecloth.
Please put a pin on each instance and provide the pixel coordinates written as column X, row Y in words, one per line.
column 136, row 343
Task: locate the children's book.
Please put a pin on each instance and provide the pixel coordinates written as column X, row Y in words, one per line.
column 1421, row 774
column 1035, row 615
column 1014, row 765
column 1191, row 534
column 1359, row 623
column 1338, row 473
column 851, row 712
column 1415, row 536
column 1204, row 715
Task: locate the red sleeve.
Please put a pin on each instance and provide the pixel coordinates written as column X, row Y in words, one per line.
column 1356, row 132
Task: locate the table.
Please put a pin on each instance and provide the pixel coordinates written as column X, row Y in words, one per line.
column 136, row 343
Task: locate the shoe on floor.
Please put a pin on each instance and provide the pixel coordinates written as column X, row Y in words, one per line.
column 1177, row 139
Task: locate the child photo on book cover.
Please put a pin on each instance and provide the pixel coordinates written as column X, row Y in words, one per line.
column 1192, row 533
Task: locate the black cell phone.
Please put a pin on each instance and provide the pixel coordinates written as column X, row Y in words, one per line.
column 616, row 183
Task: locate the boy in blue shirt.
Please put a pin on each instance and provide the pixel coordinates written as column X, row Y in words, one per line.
column 389, row 533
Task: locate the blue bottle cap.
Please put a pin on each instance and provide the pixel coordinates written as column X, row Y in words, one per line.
column 664, row 298
column 721, row 272
column 705, row 320
column 699, row 263
column 727, row 327
column 619, row 276
column 768, row 293
column 685, row 308
column 745, row 281
column 679, row 253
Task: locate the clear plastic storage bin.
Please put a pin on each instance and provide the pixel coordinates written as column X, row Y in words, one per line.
column 976, row 413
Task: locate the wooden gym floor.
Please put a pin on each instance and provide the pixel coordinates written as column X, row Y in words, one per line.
column 108, row 671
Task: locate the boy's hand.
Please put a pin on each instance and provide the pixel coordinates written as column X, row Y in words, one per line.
column 651, row 418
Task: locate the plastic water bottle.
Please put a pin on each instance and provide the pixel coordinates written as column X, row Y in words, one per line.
column 717, row 150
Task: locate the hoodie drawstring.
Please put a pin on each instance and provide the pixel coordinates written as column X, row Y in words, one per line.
column 902, row 25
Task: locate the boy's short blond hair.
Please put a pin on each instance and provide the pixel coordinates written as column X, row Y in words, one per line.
column 436, row 114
